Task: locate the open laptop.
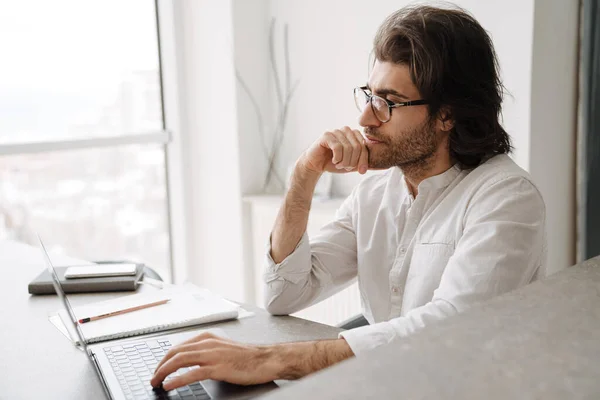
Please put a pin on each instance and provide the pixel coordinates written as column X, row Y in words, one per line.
column 125, row 366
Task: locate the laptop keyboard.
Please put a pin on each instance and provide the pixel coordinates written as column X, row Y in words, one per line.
column 134, row 365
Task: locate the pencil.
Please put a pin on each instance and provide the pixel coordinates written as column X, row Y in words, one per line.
column 123, row 311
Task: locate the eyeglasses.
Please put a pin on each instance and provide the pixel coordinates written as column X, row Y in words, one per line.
column 382, row 108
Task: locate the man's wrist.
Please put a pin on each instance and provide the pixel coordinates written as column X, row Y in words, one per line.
column 296, row 360
column 305, row 173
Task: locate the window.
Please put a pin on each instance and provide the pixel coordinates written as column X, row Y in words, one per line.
column 82, row 138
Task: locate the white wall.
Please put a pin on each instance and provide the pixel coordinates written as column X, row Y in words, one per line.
column 209, row 122
column 553, row 122
column 251, row 26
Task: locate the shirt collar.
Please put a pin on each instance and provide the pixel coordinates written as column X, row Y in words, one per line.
column 436, row 182
column 441, row 181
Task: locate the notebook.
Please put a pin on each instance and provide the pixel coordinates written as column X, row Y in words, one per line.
column 185, row 308
column 42, row 284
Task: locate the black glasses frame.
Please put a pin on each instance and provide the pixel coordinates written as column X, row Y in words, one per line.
column 389, row 103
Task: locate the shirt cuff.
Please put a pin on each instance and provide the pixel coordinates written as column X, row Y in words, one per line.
column 293, row 268
column 368, row 337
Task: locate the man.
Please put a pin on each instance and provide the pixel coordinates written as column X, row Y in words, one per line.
column 452, row 222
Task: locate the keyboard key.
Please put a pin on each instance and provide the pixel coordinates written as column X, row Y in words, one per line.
column 153, row 344
column 197, row 389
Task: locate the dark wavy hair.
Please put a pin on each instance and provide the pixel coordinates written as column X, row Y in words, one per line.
column 453, row 64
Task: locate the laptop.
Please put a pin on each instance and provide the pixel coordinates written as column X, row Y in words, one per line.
column 125, row 366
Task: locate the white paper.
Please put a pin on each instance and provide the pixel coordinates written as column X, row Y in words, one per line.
column 188, row 305
column 58, row 324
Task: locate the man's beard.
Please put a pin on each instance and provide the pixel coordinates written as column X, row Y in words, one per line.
column 411, row 150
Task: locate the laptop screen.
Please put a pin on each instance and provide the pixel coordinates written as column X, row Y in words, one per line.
column 60, row 292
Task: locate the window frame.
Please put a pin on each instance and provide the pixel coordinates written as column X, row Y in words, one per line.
column 168, row 137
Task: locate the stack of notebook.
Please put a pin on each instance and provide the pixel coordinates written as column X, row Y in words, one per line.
column 42, row 284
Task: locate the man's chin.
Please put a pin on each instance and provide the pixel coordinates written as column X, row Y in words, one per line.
column 380, row 164
column 378, row 159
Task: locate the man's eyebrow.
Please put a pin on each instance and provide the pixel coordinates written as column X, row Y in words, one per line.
column 386, row 91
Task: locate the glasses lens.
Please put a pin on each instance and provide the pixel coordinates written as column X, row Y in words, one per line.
column 361, row 99
column 380, row 108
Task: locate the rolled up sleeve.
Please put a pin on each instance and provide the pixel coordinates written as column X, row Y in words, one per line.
column 316, row 269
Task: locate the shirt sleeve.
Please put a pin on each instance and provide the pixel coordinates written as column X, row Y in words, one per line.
column 316, row 269
column 502, row 248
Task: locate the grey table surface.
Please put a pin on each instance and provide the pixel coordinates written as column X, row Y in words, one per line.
column 37, row 361
column 539, row 342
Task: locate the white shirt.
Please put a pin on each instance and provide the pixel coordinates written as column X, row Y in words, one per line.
column 468, row 236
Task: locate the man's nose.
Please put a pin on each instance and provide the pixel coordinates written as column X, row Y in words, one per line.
column 367, row 118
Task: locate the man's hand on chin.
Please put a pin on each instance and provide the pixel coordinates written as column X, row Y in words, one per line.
column 221, row 359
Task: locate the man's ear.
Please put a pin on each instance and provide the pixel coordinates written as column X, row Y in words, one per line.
column 445, row 121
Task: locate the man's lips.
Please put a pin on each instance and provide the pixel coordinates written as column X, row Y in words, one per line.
column 372, row 140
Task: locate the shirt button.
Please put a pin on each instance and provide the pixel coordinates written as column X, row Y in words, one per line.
column 402, row 250
column 395, row 289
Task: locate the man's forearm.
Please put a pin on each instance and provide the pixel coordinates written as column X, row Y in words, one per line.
column 296, row 360
column 292, row 219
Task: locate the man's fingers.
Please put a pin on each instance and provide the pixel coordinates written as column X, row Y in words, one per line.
column 181, row 360
column 195, row 375
column 335, row 146
column 346, row 149
column 198, row 343
column 356, row 148
column 363, row 159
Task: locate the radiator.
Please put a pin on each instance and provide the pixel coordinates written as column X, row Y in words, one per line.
column 336, row 309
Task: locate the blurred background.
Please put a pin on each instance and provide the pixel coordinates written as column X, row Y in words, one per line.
column 164, row 131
